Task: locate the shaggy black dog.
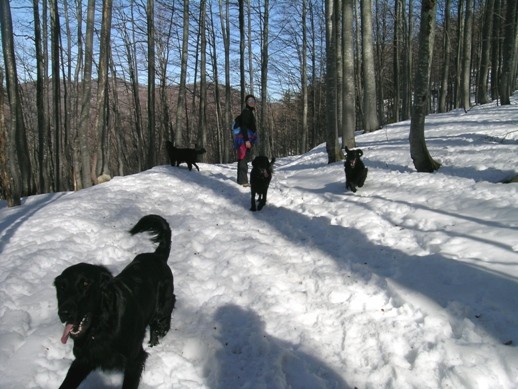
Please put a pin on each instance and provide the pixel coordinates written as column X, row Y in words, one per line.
column 355, row 170
column 260, row 177
column 107, row 316
column 178, row 156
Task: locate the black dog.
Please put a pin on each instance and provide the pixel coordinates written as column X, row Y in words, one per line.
column 260, row 177
column 355, row 170
column 107, row 316
column 178, row 156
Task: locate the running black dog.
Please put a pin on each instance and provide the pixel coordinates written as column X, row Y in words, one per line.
column 180, row 155
column 355, row 170
column 260, row 177
column 107, row 316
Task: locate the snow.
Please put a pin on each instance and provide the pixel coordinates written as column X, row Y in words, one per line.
column 412, row 282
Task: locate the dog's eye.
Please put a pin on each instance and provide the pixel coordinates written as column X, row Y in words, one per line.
column 86, row 284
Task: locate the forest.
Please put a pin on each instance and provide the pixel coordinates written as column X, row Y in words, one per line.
column 91, row 89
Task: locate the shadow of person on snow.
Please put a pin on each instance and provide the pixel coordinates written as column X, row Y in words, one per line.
column 250, row 358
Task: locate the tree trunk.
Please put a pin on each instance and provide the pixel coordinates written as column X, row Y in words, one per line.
column 466, row 57
column 102, row 125
column 423, row 162
column 332, row 146
column 446, row 61
column 18, row 149
column 8, row 185
column 496, row 48
column 202, row 120
column 180, row 107
column 56, row 92
column 242, row 49
column 250, row 50
column 507, row 83
column 42, row 118
column 265, row 145
column 84, row 119
column 487, row 35
column 151, row 150
column 370, row 114
column 225, row 29
column 303, row 145
column 349, row 94
column 458, row 64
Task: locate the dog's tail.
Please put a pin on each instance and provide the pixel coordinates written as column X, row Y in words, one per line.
column 161, row 231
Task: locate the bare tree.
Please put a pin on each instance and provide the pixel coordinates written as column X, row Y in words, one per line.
column 332, row 145
column 180, row 106
column 242, row 48
column 56, row 92
column 21, row 179
column 423, row 162
column 349, row 94
column 150, row 17
column 446, row 59
column 225, row 30
column 496, row 49
column 102, row 125
column 86, row 94
column 202, row 119
column 466, row 57
column 304, row 80
column 370, row 114
column 507, row 81
column 487, row 33
column 265, row 145
column 8, row 190
column 42, row 118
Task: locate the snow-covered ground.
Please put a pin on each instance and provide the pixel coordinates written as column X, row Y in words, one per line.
column 412, row 282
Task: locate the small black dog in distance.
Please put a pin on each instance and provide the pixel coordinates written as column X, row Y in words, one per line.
column 107, row 316
column 260, row 177
column 183, row 155
column 355, row 170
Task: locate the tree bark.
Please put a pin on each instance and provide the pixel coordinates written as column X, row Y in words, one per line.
column 423, row 162
column 332, row 146
column 466, row 57
column 370, row 114
column 446, row 61
column 349, row 93
column 507, row 83
column 151, row 150
column 487, row 34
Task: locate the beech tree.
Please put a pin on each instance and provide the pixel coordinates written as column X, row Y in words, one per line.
column 423, row 162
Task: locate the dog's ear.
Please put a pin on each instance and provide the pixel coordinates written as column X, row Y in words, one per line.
column 273, row 161
column 346, row 149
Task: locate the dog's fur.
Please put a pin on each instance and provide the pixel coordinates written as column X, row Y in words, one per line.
column 107, row 316
column 181, row 155
column 355, row 170
column 260, row 177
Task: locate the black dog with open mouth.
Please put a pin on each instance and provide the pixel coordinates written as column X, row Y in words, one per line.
column 260, row 177
column 107, row 316
column 355, row 170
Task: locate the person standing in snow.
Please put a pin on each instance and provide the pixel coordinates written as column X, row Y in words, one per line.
column 245, row 139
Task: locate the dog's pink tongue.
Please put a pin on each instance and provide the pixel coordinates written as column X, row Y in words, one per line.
column 66, row 333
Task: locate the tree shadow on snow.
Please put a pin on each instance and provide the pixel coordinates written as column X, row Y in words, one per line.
column 465, row 290
column 250, row 358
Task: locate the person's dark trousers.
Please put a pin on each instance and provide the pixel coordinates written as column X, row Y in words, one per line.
column 242, row 169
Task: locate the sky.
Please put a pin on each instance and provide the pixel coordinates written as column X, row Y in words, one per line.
column 411, row 282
